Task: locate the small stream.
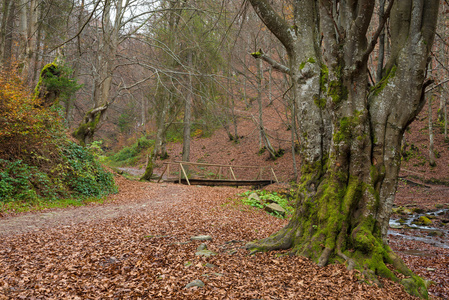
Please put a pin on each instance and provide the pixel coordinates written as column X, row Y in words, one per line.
column 437, row 237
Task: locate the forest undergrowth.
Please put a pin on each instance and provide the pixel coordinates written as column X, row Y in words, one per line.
column 40, row 166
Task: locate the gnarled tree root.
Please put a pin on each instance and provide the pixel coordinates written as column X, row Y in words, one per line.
column 369, row 268
column 279, row 241
column 414, row 284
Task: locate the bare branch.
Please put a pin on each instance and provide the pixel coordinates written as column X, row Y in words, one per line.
column 436, row 86
column 277, row 25
column 373, row 42
column 277, row 66
column 99, row 109
column 79, row 31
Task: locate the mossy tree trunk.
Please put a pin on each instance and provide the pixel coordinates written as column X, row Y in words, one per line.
column 351, row 132
column 89, row 125
column 150, row 166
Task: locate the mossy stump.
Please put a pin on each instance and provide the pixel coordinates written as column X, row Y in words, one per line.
column 149, row 168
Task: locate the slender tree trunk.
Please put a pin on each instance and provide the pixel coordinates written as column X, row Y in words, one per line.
column 159, row 147
column 247, row 105
column 259, row 100
column 76, row 66
column 234, row 121
column 22, row 31
column 230, row 88
column 5, row 11
column 270, row 83
column 28, row 30
column 143, row 119
column 432, row 161
column 37, row 47
column 8, row 33
column 263, row 138
column 187, row 113
column 445, row 114
column 440, row 113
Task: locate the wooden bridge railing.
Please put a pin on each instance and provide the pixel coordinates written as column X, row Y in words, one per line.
column 219, row 174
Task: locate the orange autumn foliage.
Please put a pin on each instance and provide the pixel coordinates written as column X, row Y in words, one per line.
column 24, row 127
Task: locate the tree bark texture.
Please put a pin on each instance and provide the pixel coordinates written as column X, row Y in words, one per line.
column 149, row 168
column 89, row 125
column 351, row 132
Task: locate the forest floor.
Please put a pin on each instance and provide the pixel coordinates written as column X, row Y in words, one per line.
column 140, row 243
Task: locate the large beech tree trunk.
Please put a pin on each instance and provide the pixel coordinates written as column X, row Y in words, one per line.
column 351, row 132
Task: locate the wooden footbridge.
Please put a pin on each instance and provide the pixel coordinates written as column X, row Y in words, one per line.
column 217, row 175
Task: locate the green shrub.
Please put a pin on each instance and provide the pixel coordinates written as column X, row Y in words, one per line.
column 265, row 197
column 85, row 175
column 97, row 151
column 24, row 125
column 58, row 79
column 38, row 164
column 77, row 174
column 131, row 154
column 174, row 133
column 20, row 181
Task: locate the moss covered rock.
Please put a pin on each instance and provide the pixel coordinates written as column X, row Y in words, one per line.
column 423, row 220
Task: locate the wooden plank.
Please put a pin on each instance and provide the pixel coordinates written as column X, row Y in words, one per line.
column 223, row 182
column 211, row 165
column 232, row 172
column 272, row 171
column 162, row 174
column 259, row 174
column 257, row 181
column 185, row 174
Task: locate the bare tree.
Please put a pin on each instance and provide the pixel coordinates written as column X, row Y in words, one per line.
column 112, row 22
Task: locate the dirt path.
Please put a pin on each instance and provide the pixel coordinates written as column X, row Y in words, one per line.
column 132, row 171
column 144, row 198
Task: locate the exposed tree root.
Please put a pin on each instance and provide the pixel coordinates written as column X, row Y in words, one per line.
column 371, row 264
column 279, row 241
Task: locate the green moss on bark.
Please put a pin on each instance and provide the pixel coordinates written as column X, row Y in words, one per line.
column 149, row 168
column 337, row 91
column 324, row 77
column 325, row 229
column 87, row 128
column 378, row 88
column 311, row 60
column 346, row 127
column 320, row 102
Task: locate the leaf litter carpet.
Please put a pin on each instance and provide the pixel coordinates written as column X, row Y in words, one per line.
column 138, row 246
